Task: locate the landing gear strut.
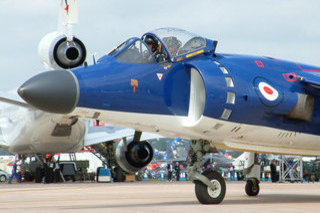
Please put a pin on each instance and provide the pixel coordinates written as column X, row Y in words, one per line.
column 210, row 187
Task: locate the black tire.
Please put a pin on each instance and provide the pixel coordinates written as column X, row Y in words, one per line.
column 202, row 190
column 252, row 188
column 118, row 175
column 3, row 178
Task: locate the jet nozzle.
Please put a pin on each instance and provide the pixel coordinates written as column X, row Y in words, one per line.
column 53, row 91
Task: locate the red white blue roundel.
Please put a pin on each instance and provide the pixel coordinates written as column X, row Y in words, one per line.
column 268, row 93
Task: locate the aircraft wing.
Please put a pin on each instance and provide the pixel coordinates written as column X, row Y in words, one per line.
column 94, row 134
column 3, row 144
column 99, row 134
column 311, row 84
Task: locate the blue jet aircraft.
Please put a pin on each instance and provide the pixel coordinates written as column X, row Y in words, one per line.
column 174, row 83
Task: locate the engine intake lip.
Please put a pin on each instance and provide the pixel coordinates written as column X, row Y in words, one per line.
column 82, row 52
column 145, row 153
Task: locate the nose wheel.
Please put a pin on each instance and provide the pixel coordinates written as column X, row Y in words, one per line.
column 207, row 195
column 210, row 187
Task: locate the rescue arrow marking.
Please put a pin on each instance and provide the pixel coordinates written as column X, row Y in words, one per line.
column 159, row 76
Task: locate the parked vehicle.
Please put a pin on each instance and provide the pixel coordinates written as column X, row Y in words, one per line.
column 4, row 176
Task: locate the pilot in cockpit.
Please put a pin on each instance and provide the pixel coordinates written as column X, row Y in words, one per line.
column 156, row 48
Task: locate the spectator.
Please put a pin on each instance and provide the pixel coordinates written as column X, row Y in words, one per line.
column 177, row 169
column 56, row 171
column 170, row 170
column 232, row 172
column 14, row 172
column 45, row 171
column 273, row 169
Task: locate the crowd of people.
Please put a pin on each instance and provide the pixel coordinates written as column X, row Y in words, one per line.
column 49, row 173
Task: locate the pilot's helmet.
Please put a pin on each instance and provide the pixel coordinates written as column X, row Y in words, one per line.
column 150, row 40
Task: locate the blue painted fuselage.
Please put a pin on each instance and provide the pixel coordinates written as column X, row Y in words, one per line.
column 165, row 89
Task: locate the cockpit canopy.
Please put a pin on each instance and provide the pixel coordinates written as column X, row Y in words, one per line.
column 163, row 45
column 179, row 42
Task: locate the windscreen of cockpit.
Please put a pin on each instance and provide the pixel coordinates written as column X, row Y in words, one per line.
column 179, row 42
column 137, row 53
column 120, row 47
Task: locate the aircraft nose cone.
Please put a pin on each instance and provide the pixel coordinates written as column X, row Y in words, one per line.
column 53, row 91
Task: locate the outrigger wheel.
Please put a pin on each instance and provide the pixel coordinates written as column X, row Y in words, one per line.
column 205, row 194
column 252, row 187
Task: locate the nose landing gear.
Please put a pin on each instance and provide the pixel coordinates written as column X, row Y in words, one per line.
column 210, row 187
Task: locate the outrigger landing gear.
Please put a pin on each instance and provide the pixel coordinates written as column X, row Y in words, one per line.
column 210, row 187
column 252, row 187
column 252, row 170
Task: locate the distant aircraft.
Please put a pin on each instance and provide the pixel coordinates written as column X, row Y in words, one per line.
column 174, row 83
column 27, row 130
column 175, row 143
column 170, row 149
column 219, row 160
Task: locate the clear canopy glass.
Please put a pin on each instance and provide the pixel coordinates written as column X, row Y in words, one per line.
column 136, row 53
column 179, row 42
column 120, row 47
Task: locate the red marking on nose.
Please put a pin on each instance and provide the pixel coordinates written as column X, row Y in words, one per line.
column 259, row 63
column 268, row 90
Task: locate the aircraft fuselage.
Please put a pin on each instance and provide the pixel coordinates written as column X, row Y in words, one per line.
column 230, row 108
column 240, row 102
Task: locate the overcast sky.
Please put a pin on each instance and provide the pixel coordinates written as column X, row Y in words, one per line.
column 286, row 29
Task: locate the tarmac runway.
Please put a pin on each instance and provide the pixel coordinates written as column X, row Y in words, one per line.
column 154, row 197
